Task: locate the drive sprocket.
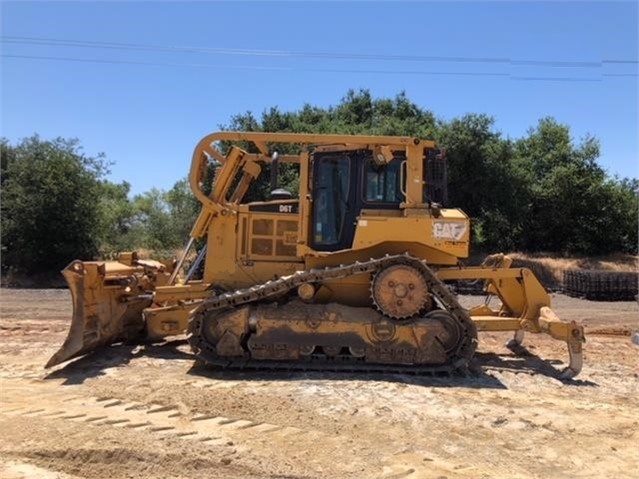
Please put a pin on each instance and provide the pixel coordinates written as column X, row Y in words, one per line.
column 400, row 291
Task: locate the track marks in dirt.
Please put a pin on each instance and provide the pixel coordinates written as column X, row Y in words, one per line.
column 231, row 437
column 154, row 418
column 91, row 451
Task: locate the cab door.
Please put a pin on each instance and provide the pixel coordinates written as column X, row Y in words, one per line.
column 334, row 210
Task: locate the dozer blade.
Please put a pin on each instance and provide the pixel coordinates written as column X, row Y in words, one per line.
column 108, row 300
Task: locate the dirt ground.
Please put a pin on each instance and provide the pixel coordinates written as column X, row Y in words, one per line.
column 148, row 411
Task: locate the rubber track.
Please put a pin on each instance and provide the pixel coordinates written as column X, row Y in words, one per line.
column 459, row 359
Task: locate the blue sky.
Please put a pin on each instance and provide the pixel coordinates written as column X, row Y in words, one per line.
column 148, row 117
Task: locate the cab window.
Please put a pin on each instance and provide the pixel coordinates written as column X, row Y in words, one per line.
column 382, row 183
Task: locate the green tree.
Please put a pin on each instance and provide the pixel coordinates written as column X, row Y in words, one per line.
column 574, row 206
column 50, row 213
column 153, row 219
column 483, row 180
column 183, row 210
column 117, row 232
column 162, row 220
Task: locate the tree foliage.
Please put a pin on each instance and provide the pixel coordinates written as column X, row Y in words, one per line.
column 49, row 195
column 163, row 219
column 57, row 206
column 573, row 206
column 116, row 211
column 483, row 179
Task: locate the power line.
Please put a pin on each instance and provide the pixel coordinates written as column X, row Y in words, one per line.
column 135, row 62
column 320, row 70
column 305, row 54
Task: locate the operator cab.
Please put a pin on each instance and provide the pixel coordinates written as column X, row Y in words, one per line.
column 348, row 182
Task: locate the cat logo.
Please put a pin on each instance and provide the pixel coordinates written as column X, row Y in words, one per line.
column 449, row 230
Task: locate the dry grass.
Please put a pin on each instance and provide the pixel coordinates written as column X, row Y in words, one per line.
column 550, row 268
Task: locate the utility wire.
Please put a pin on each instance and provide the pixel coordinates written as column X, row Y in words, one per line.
column 136, row 62
column 304, row 54
column 320, row 70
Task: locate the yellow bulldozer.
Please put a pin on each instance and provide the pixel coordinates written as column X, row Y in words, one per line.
column 352, row 273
